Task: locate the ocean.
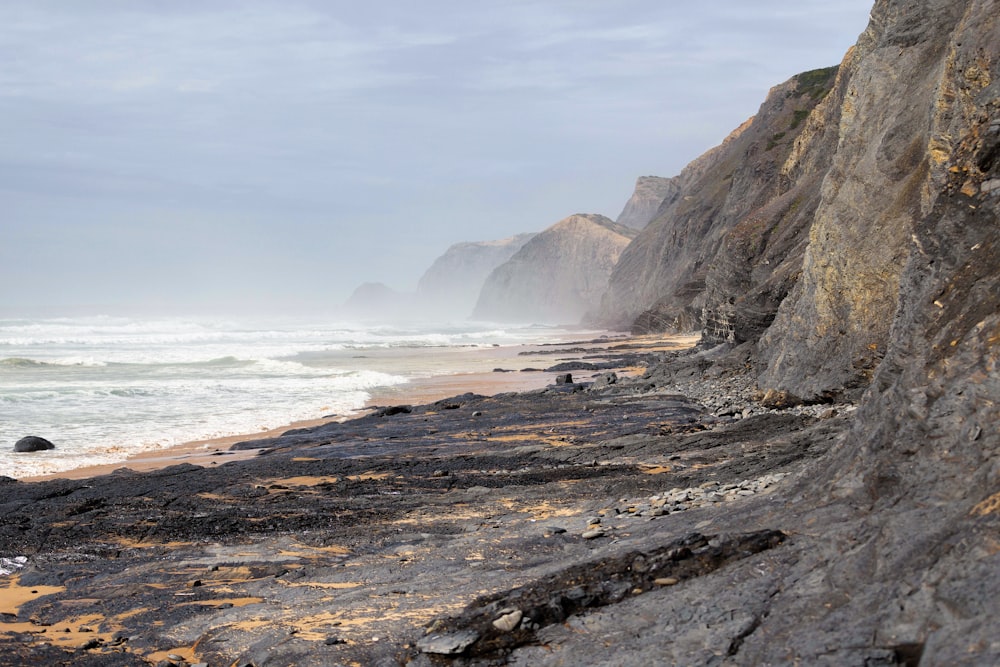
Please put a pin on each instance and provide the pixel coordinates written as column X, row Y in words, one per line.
column 104, row 388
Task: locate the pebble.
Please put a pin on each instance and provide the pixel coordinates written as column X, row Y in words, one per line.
column 666, row 581
column 508, row 621
column 591, row 534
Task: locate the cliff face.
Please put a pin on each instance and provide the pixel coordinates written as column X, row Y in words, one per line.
column 644, row 204
column 452, row 283
column 558, row 275
column 915, row 95
column 661, row 280
column 913, row 203
column 898, row 303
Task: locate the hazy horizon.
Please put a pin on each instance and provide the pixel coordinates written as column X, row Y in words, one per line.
column 226, row 158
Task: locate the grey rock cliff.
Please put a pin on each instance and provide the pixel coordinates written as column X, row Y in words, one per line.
column 452, row 283
column 898, row 303
column 914, row 92
column 558, row 275
column 644, row 205
column 661, row 281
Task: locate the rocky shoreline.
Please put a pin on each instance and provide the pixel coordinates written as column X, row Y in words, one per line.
column 362, row 542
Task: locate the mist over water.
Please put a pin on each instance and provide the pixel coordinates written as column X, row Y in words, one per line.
column 104, row 388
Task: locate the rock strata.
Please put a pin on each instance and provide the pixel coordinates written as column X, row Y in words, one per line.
column 377, row 526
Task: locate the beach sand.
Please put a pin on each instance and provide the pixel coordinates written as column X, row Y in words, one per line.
column 481, row 378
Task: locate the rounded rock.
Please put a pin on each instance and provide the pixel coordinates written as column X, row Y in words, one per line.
column 32, row 443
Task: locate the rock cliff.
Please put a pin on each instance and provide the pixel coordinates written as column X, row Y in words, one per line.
column 915, row 97
column 644, row 204
column 451, row 285
column 743, row 186
column 904, row 261
column 558, row 275
column 894, row 298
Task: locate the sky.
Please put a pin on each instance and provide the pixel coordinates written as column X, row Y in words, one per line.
column 221, row 157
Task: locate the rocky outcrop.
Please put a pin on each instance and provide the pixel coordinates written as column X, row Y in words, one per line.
column 558, row 275
column 644, row 204
column 744, row 187
column 451, row 285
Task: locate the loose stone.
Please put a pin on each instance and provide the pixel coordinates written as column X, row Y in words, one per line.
column 509, row 621
column 591, row 534
column 665, row 581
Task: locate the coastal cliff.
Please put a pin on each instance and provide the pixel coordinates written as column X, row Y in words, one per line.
column 649, row 195
column 661, row 281
column 558, row 275
column 451, row 285
column 920, row 96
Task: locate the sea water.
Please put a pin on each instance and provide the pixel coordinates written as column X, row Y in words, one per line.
column 104, row 388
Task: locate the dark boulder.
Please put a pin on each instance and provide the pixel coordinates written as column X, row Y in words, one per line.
column 32, row 443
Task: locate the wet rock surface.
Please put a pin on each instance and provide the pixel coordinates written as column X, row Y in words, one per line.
column 359, row 541
column 634, row 523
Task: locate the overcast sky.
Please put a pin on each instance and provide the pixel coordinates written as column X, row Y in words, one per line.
column 198, row 156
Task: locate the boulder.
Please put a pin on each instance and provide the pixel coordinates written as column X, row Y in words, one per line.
column 32, row 443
